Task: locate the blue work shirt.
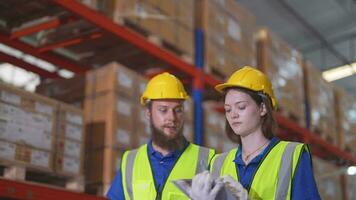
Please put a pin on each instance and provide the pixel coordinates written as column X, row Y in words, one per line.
column 161, row 168
column 303, row 185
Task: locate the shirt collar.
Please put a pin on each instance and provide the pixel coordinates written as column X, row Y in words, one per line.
column 175, row 153
column 238, row 158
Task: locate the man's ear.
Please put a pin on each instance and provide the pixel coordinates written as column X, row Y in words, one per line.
column 263, row 110
column 147, row 113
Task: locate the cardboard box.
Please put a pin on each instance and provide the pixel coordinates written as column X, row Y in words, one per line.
column 111, row 77
column 27, row 118
column 26, row 100
column 229, row 30
column 116, row 113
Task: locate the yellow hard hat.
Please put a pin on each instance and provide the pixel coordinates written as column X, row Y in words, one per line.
column 249, row 78
column 164, row 86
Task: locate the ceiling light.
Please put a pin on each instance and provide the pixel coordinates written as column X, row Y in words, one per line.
column 339, row 72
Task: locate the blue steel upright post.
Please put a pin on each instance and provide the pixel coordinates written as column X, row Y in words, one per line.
column 198, row 87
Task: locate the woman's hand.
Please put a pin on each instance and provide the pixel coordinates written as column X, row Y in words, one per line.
column 235, row 187
column 205, row 187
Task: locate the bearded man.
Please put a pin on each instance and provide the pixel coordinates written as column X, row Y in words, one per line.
column 148, row 172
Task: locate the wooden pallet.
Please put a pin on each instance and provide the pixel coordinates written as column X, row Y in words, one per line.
column 22, row 172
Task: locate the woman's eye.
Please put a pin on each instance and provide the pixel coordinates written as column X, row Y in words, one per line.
column 227, row 110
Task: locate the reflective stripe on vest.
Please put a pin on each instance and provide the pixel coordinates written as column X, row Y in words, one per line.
column 217, row 165
column 272, row 180
column 285, row 171
column 139, row 177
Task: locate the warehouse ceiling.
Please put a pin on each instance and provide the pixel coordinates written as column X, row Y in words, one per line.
column 323, row 30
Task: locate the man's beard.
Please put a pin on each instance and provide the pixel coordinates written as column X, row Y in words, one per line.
column 166, row 142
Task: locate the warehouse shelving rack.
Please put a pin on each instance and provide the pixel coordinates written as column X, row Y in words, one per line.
column 104, row 27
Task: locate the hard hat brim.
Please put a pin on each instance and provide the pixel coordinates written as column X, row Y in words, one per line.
column 144, row 100
column 221, row 87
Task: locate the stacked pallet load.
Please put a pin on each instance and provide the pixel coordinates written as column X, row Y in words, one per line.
column 284, row 66
column 321, row 104
column 229, row 36
column 346, row 120
column 169, row 24
column 109, row 109
column 69, row 140
column 28, row 127
column 41, row 139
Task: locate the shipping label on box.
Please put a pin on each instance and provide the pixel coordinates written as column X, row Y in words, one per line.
column 74, row 118
column 124, row 80
column 71, row 164
column 234, row 29
column 73, row 132
column 124, row 107
column 40, row 158
column 72, row 148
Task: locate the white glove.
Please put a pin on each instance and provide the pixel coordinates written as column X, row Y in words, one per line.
column 204, row 187
column 235, row 187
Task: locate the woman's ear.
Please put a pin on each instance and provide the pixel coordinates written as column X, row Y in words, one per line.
column 263, row 110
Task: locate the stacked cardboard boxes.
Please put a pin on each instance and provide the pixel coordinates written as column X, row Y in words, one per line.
column 284, row 66
column 27, row 128
column 321, row 103
column 109, row 108
column 229, row 30
column 346, row 120
column 69, row 140
column 41, row 133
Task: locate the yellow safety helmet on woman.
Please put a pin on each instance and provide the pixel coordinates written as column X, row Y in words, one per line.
column 250, row 78
column 164, row 86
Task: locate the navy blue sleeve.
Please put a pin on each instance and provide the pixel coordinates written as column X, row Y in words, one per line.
column 304, row 186
column 116, row 191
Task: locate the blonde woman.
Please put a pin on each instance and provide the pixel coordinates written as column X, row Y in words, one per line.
column 262, row 166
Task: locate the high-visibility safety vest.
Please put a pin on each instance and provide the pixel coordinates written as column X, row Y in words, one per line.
column 137, row 177
column 273, row 176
